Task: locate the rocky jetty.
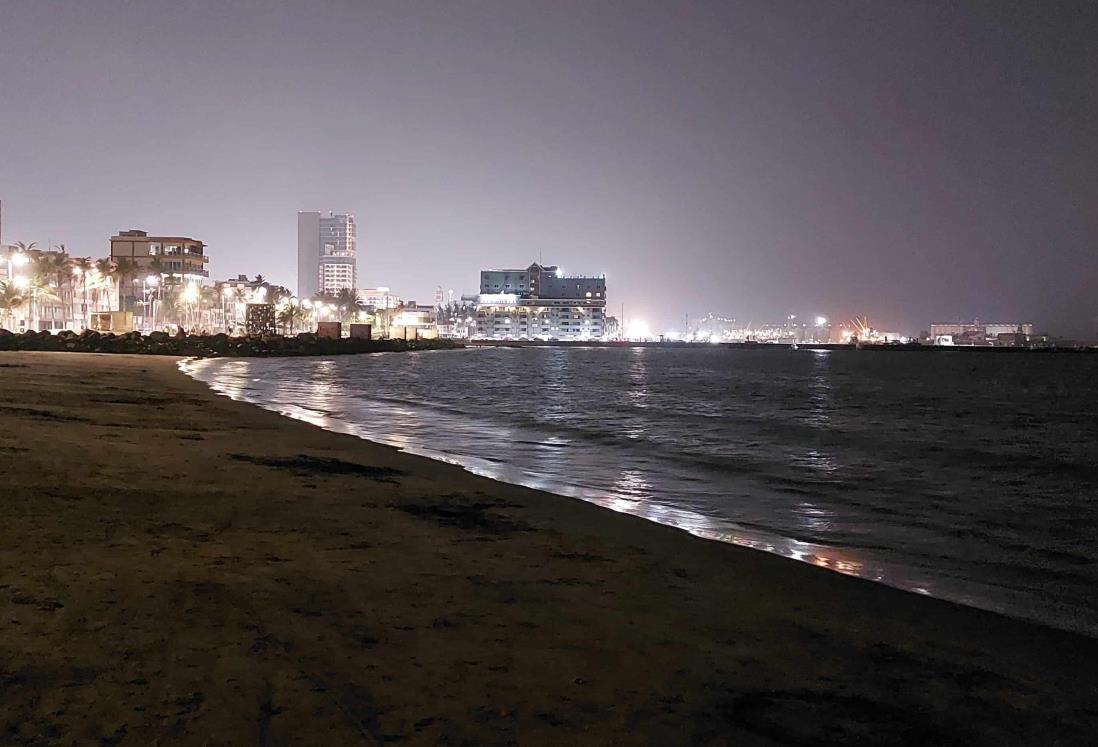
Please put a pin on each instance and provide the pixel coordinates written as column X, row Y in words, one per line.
column 208, row 346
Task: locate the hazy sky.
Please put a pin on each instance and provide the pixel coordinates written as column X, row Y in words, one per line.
column 913, row 161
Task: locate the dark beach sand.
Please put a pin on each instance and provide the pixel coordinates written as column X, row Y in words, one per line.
column 179, row 568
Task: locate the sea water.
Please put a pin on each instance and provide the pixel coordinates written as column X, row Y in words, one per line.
column 969, row 476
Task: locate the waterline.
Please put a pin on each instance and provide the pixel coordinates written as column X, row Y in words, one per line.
column 328, row 394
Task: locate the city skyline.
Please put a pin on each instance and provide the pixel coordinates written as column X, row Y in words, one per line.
column 311, row 288
column 690, row 154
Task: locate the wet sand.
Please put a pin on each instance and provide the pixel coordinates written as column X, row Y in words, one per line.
column 179, row 568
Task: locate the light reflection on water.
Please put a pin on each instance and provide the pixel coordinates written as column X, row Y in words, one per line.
column 313, row 398
column 719, row 462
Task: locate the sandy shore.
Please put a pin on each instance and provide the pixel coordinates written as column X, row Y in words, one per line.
column 179, row 568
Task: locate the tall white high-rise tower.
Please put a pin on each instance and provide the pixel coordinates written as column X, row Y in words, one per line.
column 326, row 253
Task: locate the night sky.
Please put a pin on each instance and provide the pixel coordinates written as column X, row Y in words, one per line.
column 913, row 161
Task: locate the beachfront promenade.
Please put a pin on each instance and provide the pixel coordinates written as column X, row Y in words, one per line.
column 180, row 568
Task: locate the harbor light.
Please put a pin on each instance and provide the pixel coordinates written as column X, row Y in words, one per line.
column 638, row 329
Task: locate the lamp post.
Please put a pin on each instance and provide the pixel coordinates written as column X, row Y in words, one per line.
column 190, row 296
column 23, row 283
column 226, row 292
column 79, row 273
column 153, row 281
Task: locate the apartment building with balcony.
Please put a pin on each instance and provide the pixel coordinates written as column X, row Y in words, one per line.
column 171, row 259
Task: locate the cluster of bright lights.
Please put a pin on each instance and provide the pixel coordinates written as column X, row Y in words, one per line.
column 17, row 260
column 726, row 330
column 638, row 329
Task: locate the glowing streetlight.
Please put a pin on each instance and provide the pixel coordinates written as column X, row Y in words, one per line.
column 821, row 321
column 19, row 259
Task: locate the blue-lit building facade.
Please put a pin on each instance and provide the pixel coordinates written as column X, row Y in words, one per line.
column 540, row 303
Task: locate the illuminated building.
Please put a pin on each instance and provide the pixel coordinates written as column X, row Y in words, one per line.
column 979, row 333
column 379, row 298
column 176, row 259
column 326, row 253
column 413, row 321
column 540, row 303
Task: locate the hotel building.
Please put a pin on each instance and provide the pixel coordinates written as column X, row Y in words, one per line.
column 327, row 247
column 540, row 303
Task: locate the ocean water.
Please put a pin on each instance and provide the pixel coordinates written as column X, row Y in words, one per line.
column 968, row 476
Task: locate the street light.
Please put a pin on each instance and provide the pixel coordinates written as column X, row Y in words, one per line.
column 150, row 281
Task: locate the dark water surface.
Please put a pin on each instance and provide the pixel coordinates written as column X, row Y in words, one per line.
column 969, row 476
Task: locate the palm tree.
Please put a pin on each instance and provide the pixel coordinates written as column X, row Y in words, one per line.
column 11, row 298
column 125, row 270
column 346, row 300
column 39, row 272
column 83, row 266
column 58, row 265
column 289, row 316
column 276, row 293
column 208, row 299
column 107, row 271
column 169, row 308
column 241, row 297
column 41, row 292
